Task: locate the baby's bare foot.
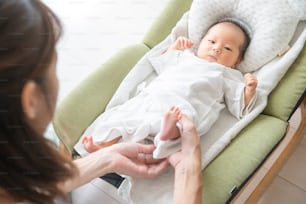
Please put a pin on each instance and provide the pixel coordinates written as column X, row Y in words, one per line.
column 169, row 129
column 90, row 146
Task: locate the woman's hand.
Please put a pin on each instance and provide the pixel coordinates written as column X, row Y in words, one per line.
column 135, row 159
column 130, row 159
column 190, row 144
column 187, row 165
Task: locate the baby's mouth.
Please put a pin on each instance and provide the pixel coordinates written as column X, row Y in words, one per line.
column 212, row 57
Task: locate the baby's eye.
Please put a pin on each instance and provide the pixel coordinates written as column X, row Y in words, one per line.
column 228, row 48
column 212, row 41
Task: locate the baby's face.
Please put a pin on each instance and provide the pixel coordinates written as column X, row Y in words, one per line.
column 222, row 44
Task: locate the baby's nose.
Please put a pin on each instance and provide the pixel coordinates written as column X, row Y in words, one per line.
column 216, row 49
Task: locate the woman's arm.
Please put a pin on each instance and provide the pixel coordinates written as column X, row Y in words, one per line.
column 126, row 158
column 188, row 181
column 187, row 164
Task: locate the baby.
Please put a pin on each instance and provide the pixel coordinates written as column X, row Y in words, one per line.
column 196, row 85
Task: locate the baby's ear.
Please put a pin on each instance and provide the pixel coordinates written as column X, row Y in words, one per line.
column 299, row 8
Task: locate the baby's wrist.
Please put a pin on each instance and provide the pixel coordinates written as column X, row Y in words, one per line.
column 250, row 89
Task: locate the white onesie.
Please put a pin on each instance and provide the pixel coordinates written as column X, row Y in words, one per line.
column 199, row 88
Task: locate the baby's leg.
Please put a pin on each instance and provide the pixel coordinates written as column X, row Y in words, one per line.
column 90, row 146
column 169, row 129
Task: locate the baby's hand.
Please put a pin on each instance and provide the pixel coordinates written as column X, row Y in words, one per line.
column 181, row 43
column 250, row 82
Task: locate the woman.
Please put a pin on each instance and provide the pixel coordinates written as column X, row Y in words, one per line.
column 30, row 169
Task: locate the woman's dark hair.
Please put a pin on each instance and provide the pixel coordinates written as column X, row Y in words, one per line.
column 245, row 29
column 30, row 169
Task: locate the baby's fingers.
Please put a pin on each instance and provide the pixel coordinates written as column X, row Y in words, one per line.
column 188, row 43
column 251, row 83
column 249, row 77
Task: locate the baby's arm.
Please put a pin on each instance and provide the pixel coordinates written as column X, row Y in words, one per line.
column 181, row 43
column 250, row 88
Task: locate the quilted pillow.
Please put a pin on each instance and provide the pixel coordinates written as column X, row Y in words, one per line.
column 271, row 24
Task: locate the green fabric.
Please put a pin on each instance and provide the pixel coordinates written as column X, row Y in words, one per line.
column 89, row 98
column 162, row 27
column 283, row 99
column 240, row 158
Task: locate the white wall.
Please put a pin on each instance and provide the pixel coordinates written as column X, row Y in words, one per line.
column 93, row 31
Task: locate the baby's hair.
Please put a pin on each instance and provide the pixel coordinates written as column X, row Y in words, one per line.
column 245, row 29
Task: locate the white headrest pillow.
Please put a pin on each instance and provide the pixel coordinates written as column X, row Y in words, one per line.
column 272, row 24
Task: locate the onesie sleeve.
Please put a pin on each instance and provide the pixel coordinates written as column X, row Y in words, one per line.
column 234, row 94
